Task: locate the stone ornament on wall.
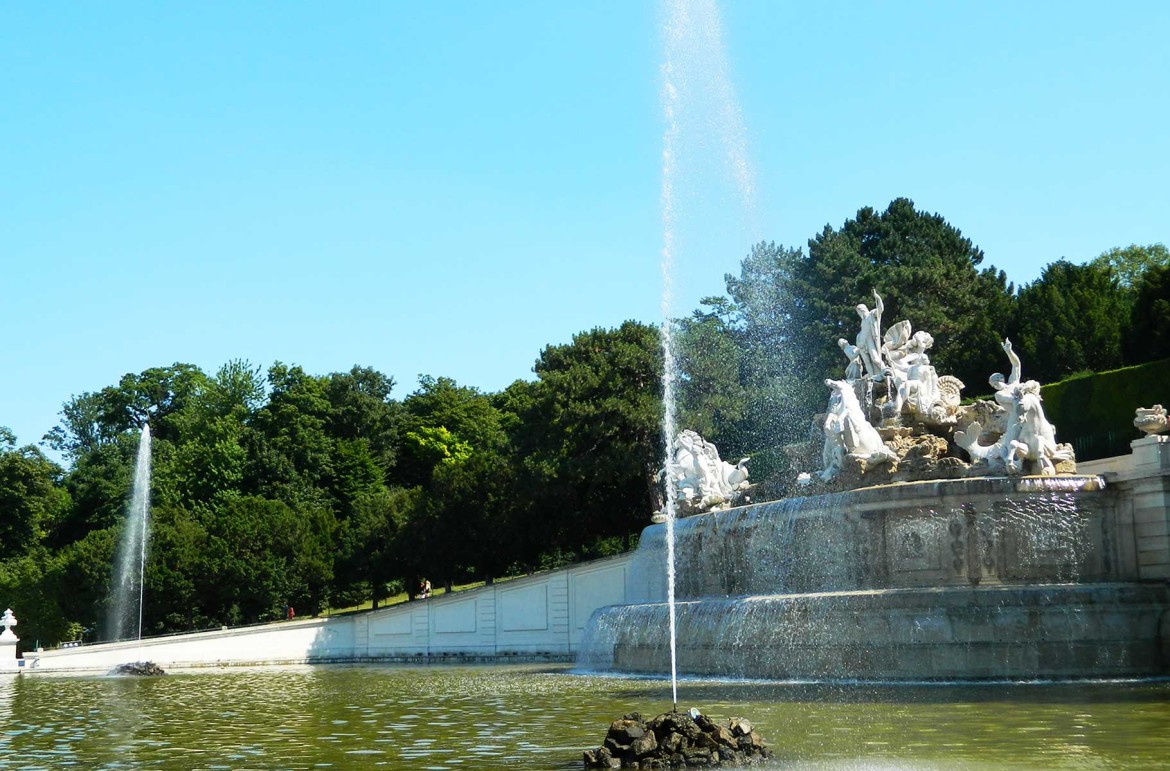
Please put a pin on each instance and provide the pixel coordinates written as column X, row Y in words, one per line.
column 1151, row 420
column 8, row 642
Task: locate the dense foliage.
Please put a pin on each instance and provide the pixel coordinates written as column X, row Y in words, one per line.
column 285, row 488
column 925, row 271
column 279, row 487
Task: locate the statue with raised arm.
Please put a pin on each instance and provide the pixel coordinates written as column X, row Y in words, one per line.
column 1007, row 395
column 1028, row 437
column 1035, row 439
column 869, row 338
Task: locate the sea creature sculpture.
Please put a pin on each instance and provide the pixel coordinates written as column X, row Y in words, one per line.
column 702, row 479
column 1028, row 439
column 849, row 433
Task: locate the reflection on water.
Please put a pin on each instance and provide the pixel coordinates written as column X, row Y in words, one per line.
column 540, row 718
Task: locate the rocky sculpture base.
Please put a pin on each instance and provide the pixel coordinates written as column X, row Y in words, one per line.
column 675, row 740
column 139, row 669
column 922, row 453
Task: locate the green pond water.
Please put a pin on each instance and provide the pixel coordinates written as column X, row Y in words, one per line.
column 542, row 718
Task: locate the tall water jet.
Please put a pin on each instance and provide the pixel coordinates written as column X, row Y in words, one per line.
column 125, row 615
column 670, row 364
column 694, row 56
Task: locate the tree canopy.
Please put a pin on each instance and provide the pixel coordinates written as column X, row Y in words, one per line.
column 925, row 269
column 1129, row 263
column 1070, row 320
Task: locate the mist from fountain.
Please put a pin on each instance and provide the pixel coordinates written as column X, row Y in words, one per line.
column 124, row 620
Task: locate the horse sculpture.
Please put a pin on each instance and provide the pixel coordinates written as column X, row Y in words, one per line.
column 848, row 433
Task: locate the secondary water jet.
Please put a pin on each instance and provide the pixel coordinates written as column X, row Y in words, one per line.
column 124, row 620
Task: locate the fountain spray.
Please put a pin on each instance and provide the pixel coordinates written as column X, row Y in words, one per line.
column 125, row 616
column 670, row 363
column 693, row 51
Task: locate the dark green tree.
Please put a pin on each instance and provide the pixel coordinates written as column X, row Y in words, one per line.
column 452, row 448
column 713, row 398
column 93, row 420
column 32, row 503
column 176, row 559
column 744, row 385
column 443, row 420
column 206, row 458
column 291, row 458
column 372, row 550
column 98, row 485
column 925, row 270
column 1148, row 338
column 362, row 412
column 79, row 577
column 27, row 585
column 262, row 554
column 590, row 441
column 1071, row 319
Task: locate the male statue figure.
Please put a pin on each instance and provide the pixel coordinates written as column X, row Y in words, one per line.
column 869, row 339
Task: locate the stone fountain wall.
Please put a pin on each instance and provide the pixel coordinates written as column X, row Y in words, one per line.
column 927, row 534
column 999, row 578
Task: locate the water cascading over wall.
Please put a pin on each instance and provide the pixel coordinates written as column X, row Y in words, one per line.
column 961, row 579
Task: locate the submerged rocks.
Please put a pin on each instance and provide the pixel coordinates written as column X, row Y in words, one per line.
column 676, row 739
column 139, row 669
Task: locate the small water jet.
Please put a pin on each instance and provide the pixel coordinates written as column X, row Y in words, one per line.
column 124, row 620
column 139, row 669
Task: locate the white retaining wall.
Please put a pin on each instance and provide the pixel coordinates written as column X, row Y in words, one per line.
column 540, row 615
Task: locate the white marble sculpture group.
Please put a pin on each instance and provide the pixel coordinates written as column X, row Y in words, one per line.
column 920, row 423
column 916, row 397
column 701, row 479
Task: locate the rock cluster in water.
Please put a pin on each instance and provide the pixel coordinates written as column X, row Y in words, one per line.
column 139, row 669
column 676, row 739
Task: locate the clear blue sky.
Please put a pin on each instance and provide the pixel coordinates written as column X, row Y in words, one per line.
column 445, row 188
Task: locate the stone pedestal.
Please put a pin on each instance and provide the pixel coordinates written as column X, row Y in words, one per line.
column 1151, row 506
column 8, row 641
column 1151, row 453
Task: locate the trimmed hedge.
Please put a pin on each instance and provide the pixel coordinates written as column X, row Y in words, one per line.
column 1094, row 412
